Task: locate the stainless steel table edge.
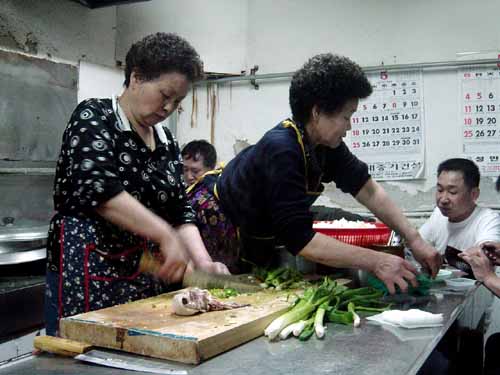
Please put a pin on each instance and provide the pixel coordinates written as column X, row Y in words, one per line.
column 453, row 317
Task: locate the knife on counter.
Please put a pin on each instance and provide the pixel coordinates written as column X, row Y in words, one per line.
column 88, row 353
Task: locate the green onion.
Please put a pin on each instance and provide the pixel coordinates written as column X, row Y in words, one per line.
column 313, row 297
column 319, row 328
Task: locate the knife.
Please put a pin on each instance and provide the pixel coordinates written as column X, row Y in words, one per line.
column 151, row 264
column 205, row 280
column 87, row 353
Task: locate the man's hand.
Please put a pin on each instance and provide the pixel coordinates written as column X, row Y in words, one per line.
column 492, row 251
column 426, row 255
column 479, row 262
column 393, row 270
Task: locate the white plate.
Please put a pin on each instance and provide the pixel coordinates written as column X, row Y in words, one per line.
column 443, row 275
column 460, row 283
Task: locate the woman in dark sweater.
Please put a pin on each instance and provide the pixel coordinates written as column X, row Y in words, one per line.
column 266, row 191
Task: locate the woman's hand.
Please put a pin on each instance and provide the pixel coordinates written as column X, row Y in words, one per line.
column 199, row 257
column 213, row 267
column 480, row 263
column 175, row 258
column 127, row 212
column 393, row 270
column 426, row 255
column 374, row 197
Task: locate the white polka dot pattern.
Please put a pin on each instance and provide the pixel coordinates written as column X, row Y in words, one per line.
column 99, row 160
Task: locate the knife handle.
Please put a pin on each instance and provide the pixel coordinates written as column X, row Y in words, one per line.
column 58, row 345
column 149, row 263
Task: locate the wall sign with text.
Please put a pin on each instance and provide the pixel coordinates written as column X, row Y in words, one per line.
column 480, row 117
column 387, row 129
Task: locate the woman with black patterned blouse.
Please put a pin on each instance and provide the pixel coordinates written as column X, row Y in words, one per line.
column 119, row 190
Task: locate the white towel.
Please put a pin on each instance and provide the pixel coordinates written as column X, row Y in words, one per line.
column 413, row 318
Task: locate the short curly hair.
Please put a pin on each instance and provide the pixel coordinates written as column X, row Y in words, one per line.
column 327, row 81
column 161, row 53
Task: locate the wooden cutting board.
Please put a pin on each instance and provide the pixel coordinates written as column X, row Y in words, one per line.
column 149, row 327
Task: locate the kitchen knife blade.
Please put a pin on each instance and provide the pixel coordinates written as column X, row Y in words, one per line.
column 151, row 264
column 87, row 353
column 127, row 362
column 205, row 280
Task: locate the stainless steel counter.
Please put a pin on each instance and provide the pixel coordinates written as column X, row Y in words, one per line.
column 369, row 349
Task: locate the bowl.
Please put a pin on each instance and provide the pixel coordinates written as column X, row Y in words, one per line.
column 460, row 283
column 443, row 275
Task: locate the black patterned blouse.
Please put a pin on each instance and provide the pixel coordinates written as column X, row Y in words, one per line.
column 102, row 156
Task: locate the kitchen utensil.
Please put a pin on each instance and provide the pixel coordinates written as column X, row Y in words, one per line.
column 127, row 362
column 378, row 235
column 150, row 328
column 205, row 280
column 443, row 275
column 150, row 263
column 86, row 352
column 22, row 244
column 460, row 283
column 60, row 346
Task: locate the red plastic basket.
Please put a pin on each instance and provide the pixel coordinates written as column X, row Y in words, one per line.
column 359, row 236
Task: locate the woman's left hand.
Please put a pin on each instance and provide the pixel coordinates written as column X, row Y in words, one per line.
column 426, row 255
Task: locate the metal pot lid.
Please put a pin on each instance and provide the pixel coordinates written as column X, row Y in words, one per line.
column 12, row 230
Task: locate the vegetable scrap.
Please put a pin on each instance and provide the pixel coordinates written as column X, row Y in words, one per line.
column 223, row 292
column 280, row 278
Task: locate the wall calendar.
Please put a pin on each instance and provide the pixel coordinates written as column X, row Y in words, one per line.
column 480, row 117
column 388, row 127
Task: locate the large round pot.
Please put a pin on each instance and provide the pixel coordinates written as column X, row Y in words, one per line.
column 22, row 243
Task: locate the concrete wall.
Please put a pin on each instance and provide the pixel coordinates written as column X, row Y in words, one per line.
column 282, row 34
column 216, row 28
column 98, row 81
column 278, row 36
column 58, row 29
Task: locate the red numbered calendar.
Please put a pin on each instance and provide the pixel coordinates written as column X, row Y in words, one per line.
column 480, row 117
column 387, row 129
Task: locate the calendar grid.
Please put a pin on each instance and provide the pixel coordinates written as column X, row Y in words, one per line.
column 480, row 117
column 387, row 130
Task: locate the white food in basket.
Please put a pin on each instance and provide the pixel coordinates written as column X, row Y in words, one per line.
column 342, row 223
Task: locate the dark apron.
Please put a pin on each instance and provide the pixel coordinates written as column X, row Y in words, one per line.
column 97, row 269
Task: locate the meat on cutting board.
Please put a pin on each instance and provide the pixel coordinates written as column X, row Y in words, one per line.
column 195, row 300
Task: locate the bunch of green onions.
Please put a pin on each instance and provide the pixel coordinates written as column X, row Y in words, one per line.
column 327, row 301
